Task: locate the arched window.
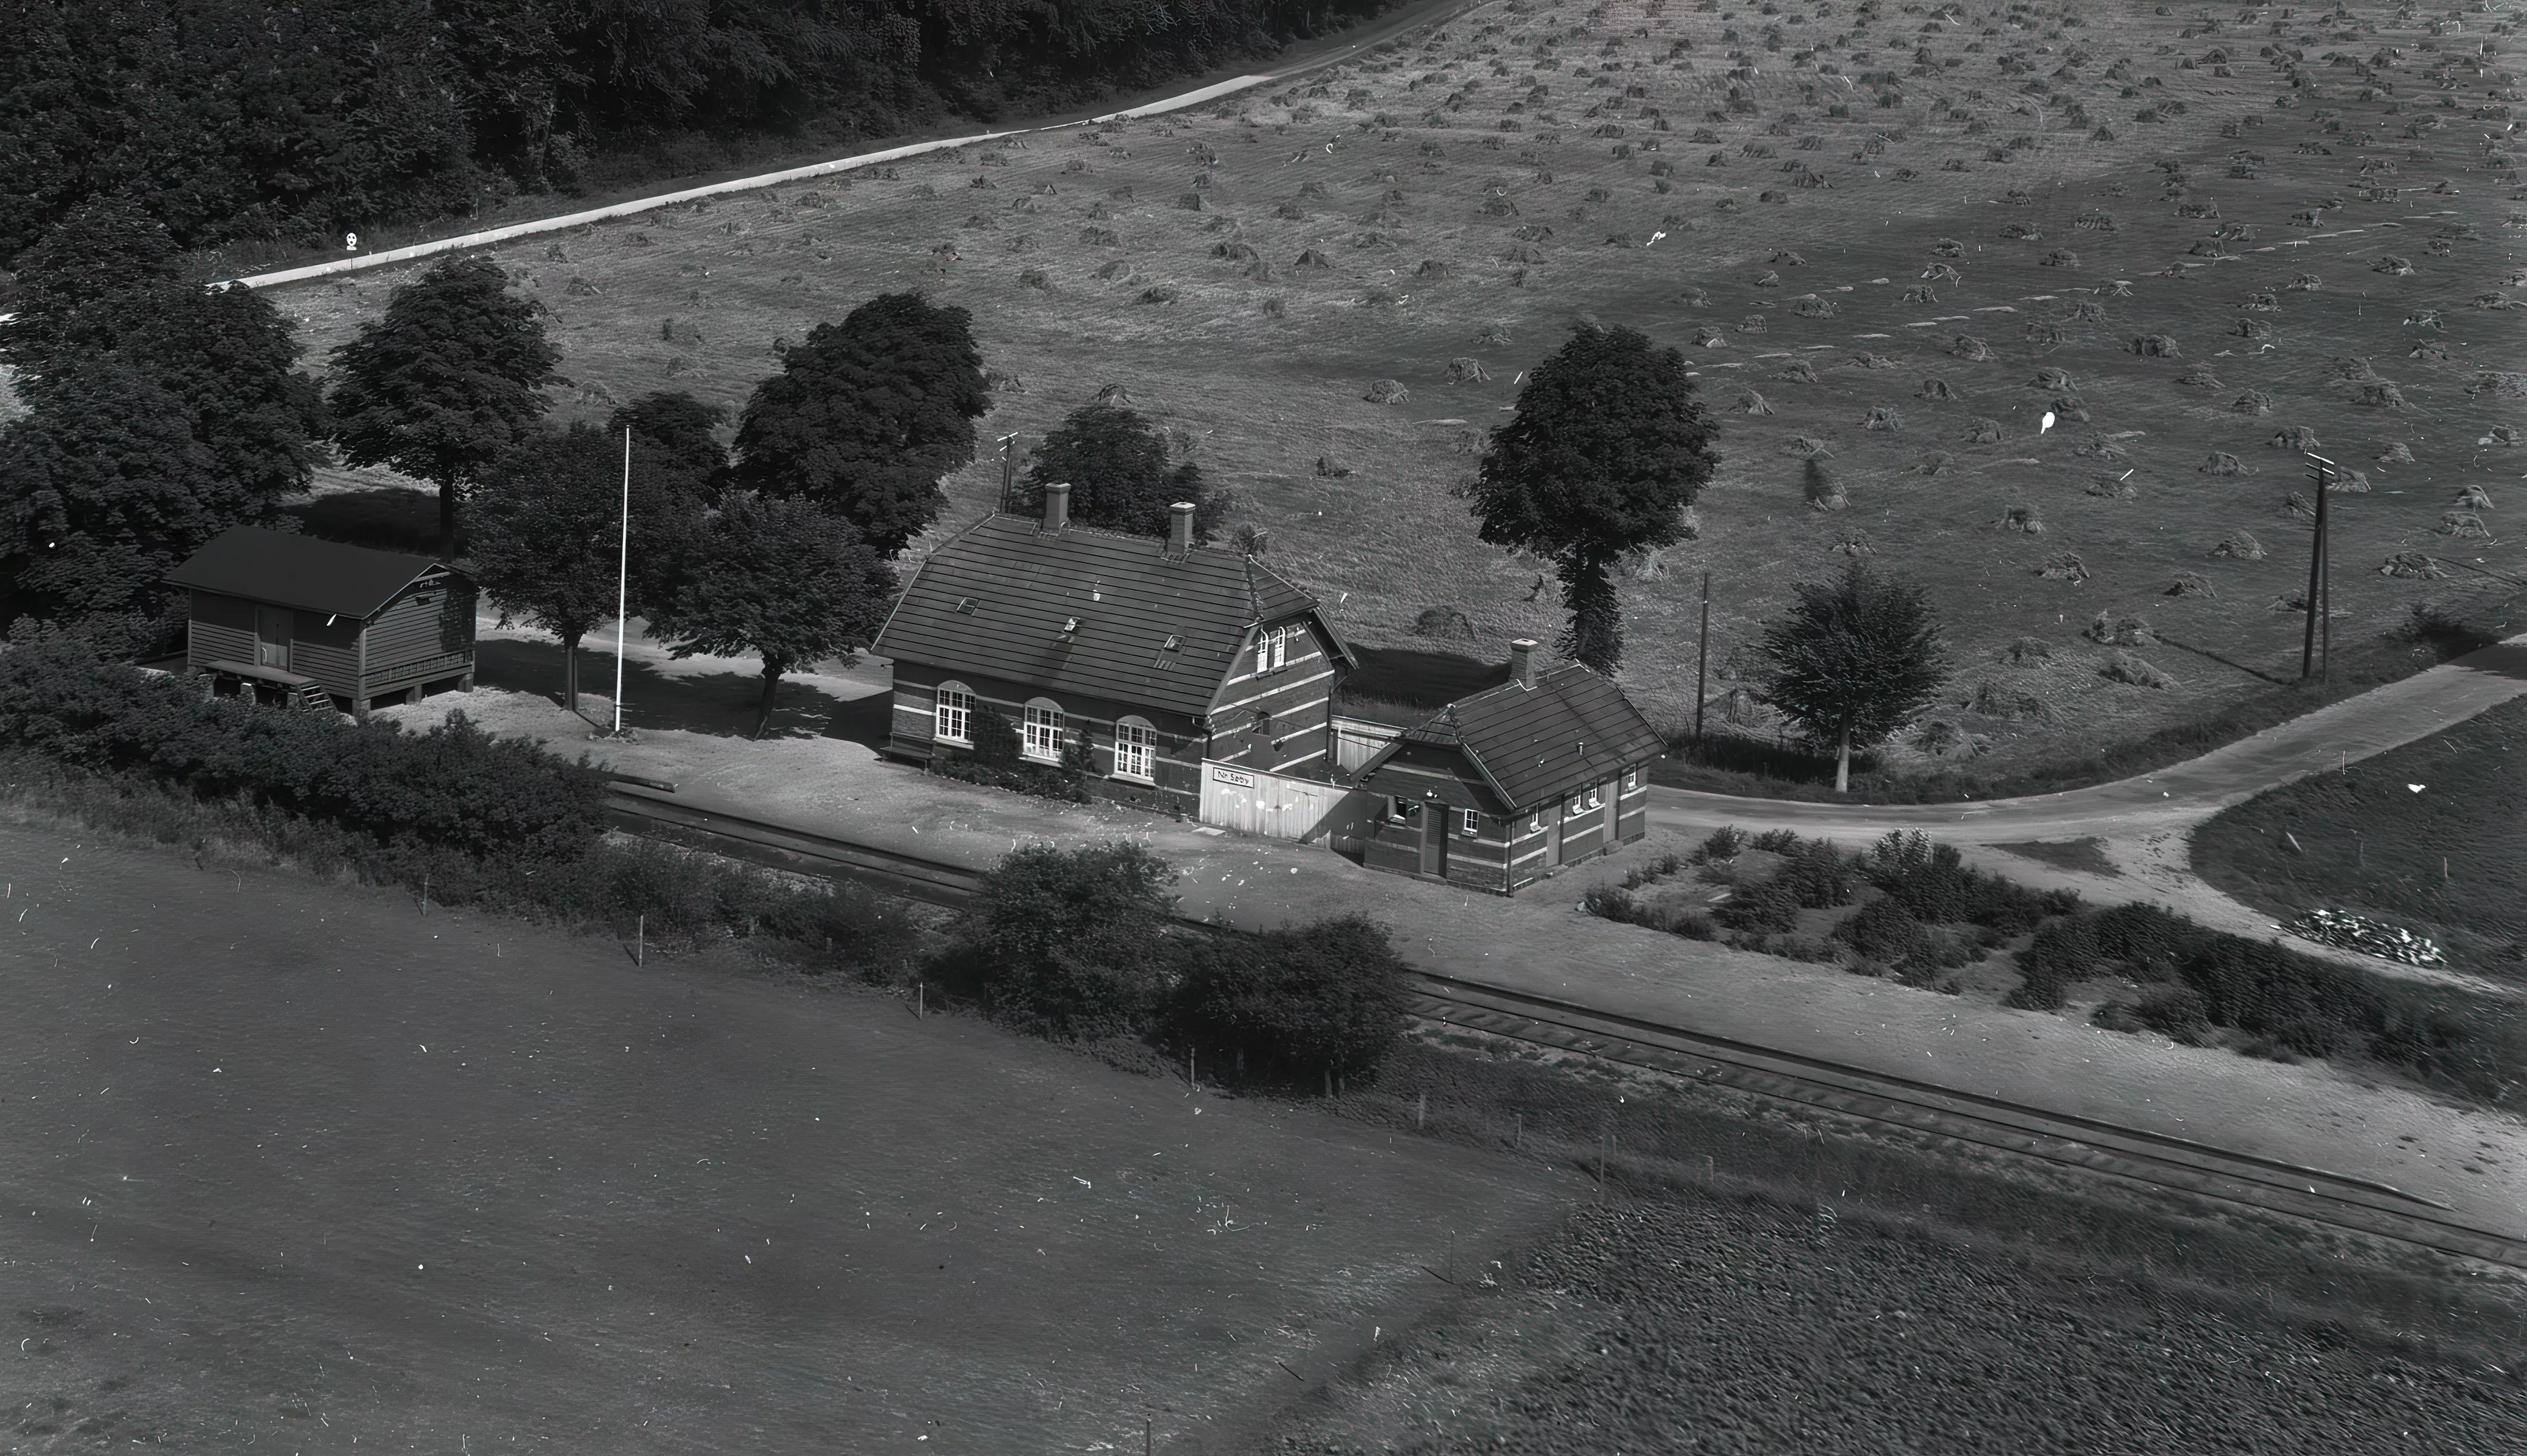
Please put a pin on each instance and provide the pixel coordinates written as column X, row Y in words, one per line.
column 1280, row 647
column 1042, row 740
column 1262, row 652
column 1136, row 750
column 953, row 719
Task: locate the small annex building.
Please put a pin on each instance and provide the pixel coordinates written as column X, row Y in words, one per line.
column 1501, row 787
column 1174, row 663
column 317, row 624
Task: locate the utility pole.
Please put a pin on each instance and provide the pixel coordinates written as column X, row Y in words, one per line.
column 2317, row 582
column 622, row 584
column 1009, row 471
column 1702, row 660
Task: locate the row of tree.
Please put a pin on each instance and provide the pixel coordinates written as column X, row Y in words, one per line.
column 257, row 119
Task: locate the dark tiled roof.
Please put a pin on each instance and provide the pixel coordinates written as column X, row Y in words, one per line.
column 1572, row 729
column 288, row 570
column 1020, row 585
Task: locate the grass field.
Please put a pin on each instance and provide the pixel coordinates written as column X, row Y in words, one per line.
column 2432, row 835
column 1248, row 271
column 288, row 1163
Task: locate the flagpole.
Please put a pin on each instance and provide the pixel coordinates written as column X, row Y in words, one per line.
column 622, row 581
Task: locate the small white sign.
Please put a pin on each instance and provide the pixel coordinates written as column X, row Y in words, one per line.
column 1232, row 776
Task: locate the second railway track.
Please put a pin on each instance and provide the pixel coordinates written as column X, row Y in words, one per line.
column 2129, row 1154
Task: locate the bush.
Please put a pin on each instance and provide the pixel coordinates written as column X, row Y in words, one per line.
column 1933, row 882
column 1758, row 909
column 1724, row 842
column 2175, row 1011
column 1329, row 997
column 998, row 760
column 1607, row 902
column 1072, row 941
column 1818, row 875
column 453, row 789
column 1883, row 931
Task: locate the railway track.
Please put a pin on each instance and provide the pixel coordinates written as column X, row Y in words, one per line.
column 2129, row 1154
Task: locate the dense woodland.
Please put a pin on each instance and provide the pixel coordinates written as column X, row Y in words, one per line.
column 244, row 118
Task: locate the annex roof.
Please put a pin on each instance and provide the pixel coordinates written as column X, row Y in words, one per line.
column 1091, row 611
column 1536, row 744
column 288, row 570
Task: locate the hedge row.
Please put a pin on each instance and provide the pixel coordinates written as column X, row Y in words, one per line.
column 454, row 788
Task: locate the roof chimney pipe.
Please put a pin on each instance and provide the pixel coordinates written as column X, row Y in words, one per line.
column 1521, row 661
column 1056, row 505
column 1180, row 528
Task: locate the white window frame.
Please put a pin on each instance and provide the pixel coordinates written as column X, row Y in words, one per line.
column 1280, row 648
column 1631, row 779
column 1039, row 736
column 1470, row 820
column 1399, row 810
column 1136, row 752
column 1596, row 797
column 1535, row 823
column 952, row 715
column 1262, row 653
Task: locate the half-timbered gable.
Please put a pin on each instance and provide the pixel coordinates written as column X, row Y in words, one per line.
column 1157, row 654
column 1501, row 788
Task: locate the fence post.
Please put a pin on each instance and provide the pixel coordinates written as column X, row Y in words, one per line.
column 641, row 941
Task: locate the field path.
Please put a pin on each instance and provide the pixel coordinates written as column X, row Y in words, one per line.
column 2145, row 821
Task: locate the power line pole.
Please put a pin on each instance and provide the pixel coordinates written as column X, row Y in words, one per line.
column 2317, row 583
column 1702, row 661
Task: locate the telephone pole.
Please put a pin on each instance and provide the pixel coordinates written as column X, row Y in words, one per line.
column 2319, row 581
column 1702, row 660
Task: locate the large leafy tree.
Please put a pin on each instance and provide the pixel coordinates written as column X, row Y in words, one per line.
column 867, row 416
column 1071, row 941
column 544, row 541
column 1330, row 995
column 1608, row 448
column 88, row 284
column 1116, row 463
column 445, row 382
column 1856, row 659
column 783, row 580
column 678, row 468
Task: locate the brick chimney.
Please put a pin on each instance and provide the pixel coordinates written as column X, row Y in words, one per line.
column 1521, row 661
column 1180, row 528
column 1056, row 506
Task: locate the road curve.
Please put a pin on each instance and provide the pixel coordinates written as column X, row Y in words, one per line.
column 2145, row 821
column 1374, row 32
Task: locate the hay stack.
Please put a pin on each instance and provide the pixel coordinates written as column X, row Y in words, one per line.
column 1929, row 464
column 2067, row 567
column 1990, row 700
column 1810, row 305
column 1114, row 395
column 1947, row 740
column 1234, row 252
column 2252, row 402
column 1797, row 371
column 1100, row 237
column 1463, row 369
column 2155, row 346
column 2191, row 584
column 1942, row 273
column 1921, row 293
column 1431, row 268
column 2383, row 396
column 1310, row 258
column 2294, row 437
column 2393, row 265
column 2306, row 283
column 1855, row 542
column 1752, row 403
column 2397, row 453
column 2349, row 481
column 1768, row 280
column 2060, row 258
column 581, row 287
column 1967, row 347
column 2200, row 376
column 1708, row 337
column 2117, row 631
column 1789, row 256
column 1867, row 359
column 1948, row 247
column 2465, row 523
column 1753, row 323
column 1807, row 447
column 2051, row 379
column 2122, row 667
column 1492, row 333
column 2027, row 652
column 2112, row 487
column 1386, row 391
column 2253, row 329
column 2021, row 518
column 2240, row 545
column 1882, row 418
column 2297, row 505
column 1937, row 389
column 2222, row 463
column 2474, row 498
column 679, row 332
column 2261, row 303
column 2412, row 565
column 1823, row 488
column 1984, row 431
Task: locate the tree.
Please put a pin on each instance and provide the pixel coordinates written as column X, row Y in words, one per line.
column 445, row 382
column 1072, row 940
column 1116, row 463
column 1608, row 447
column 867, row 416
column 1856, row 659
column 1328, row 995
column 77, row 283
column 546, row 541
column 780, row 580
column 678, row 468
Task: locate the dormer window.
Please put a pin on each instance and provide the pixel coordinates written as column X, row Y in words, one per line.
column 966, row 605
column 1070, row 628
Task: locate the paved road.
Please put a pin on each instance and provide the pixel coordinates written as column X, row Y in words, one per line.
column 1349, row 44
column 2147, row 820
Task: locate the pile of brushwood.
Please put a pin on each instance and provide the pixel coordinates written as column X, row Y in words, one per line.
column 2376, row 938
column 454, row 813
column 1084, row 945
column 1922, row 914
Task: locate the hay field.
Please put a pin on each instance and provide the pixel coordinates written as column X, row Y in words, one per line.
column 1248, row 272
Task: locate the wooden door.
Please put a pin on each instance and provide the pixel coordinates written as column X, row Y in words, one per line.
column 272, row 627
column 1553, row 836
column 1435, row 839
column 1614, row 810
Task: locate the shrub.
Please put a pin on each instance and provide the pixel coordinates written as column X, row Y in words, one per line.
column 1818, row 875
column 454, row 788
column 1759, row 908
column 998, row 759
column 1724, row 842
column 1072, row 941
column 1330, row 995
column 2175, row 1011
column 1777, row 841
column 1883, row 931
